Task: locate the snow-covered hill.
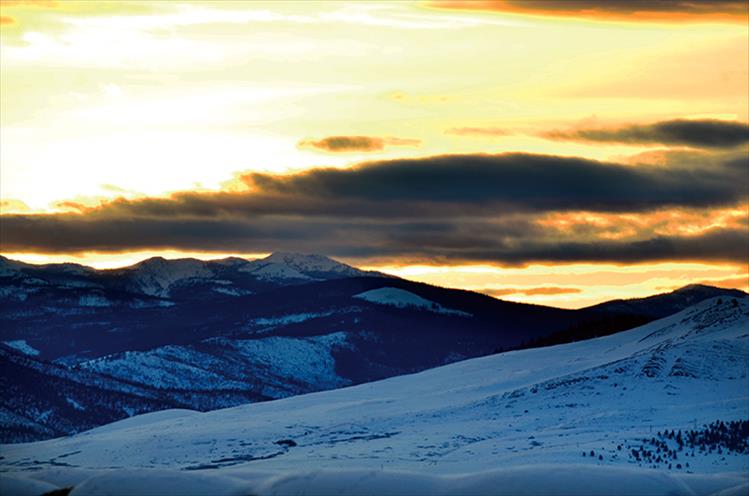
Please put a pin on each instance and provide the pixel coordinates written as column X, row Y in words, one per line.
column 268, row 368
column 156, row 276
column 44, row 399
column 282, row 266
column 591, row 404
column 405, row 299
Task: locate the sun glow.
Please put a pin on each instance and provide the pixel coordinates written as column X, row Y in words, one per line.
column 105, row 100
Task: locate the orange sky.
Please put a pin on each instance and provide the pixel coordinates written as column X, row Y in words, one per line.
column 130, row 129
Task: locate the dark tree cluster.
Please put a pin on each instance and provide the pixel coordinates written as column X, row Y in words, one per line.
column 672, row 446
column 719, row 436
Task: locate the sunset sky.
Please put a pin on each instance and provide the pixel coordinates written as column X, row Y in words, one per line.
column 562, row 153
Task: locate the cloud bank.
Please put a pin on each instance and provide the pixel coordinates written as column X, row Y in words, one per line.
column 693, row 133
column 453, row 208
column 663, row 10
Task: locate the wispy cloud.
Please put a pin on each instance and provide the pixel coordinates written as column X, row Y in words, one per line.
column 542, row 290
column 344, row 144
column 478, row 131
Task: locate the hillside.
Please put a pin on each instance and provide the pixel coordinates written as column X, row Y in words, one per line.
column 601, row 403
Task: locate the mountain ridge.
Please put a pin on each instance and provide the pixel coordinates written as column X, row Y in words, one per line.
column 214, row 338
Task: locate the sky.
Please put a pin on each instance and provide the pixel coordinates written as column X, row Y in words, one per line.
column 560, row 153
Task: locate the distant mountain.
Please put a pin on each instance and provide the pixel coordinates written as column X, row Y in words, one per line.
column 619, row 315
column 206, row 335
column 185, row 278
column 664, row 304
column 660, row 409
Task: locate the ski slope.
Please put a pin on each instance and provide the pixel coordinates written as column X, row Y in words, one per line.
column 514, row 420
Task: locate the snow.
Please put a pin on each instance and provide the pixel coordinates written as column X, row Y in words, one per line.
column 13, row 293
column 513, row 423
column 94, row 301
column 167, row 367
column 156, row 276
column 405, row 299
column 310, row 263
column 10, row 268
column 231, row 291
column 22, row 346
column 275, row 271
column 518, row 481
column 160, row 482
column 283, row 265
column 305, row 360
column 23, row 486
column 556, row 480
column 284, row 365
column 293, row 318
column 75, row 404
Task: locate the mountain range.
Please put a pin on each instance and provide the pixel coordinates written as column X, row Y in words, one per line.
column 202, row 335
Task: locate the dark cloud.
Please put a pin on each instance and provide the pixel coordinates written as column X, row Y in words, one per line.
column 462, row 185
column 674, row 10
column 478, row 131
column 344, row 144
column 488, row 208
column 694, row 133
column 448, row 242
column 519, row 182
column 727, row 245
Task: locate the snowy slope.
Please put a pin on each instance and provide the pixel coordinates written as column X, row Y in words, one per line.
column 529, row 407
column 44, row 399
column 156, row 276
column 303, row 267
column 405, row 299
column 272, row 367
column 22, row 346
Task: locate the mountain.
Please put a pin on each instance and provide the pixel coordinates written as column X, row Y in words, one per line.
column 636, row 409
column 178, row 279
column 618, row 315
column 206, row 335
column 665, row 304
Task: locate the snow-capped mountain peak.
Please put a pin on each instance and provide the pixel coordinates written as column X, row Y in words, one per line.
column 309, row 262
column 156, row 275
column 289, row 265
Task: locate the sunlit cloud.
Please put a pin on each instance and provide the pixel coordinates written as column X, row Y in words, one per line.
column 541, row 290
column 343, row 144
column 630, row 10
column 480, row 131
